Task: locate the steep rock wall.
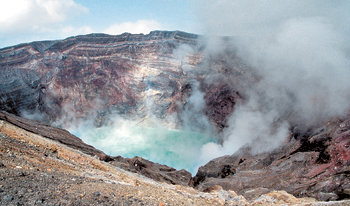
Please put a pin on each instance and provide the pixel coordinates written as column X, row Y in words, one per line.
column 96, row 75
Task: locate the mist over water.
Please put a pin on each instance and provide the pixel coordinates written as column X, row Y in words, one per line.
column 155, row 139
column 172, row 147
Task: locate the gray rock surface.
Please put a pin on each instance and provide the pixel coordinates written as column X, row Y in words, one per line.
column 153, row 170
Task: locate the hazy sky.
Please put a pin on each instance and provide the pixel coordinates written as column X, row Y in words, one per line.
column 31, row 20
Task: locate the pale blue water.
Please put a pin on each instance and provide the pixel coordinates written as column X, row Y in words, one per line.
column 175, row 148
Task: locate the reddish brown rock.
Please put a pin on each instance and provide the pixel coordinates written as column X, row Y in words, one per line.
column 92, row 76
column 95, row 73
column 316, row 165
column 221, row 100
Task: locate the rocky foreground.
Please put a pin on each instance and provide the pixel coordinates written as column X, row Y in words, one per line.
column 39, row 170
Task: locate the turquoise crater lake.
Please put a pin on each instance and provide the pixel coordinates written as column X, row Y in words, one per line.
column 176, row 148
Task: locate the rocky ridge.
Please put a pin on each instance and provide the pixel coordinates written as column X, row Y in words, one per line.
column 313, row 165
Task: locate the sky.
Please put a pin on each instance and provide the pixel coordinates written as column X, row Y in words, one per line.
column 24, row 21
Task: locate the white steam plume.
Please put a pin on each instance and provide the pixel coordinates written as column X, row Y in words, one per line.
column 300, row 52
column 193, row 117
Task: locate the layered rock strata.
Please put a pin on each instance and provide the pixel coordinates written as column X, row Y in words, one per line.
column 92, row 76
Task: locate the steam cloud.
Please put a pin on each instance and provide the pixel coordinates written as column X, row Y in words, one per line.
column 193, row 117
column 299, row 51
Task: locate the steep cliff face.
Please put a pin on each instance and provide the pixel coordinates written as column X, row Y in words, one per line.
column 20, row 90
column 98, row 74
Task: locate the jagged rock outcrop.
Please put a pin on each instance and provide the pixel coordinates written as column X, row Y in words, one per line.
column 221, row 100
column 314, row 165
column 153, row 170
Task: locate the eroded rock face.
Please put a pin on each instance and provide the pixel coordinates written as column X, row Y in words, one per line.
column 316, row 165
column 135, row 75
column 97, row 74
column 20, row 90
column 221, row 100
